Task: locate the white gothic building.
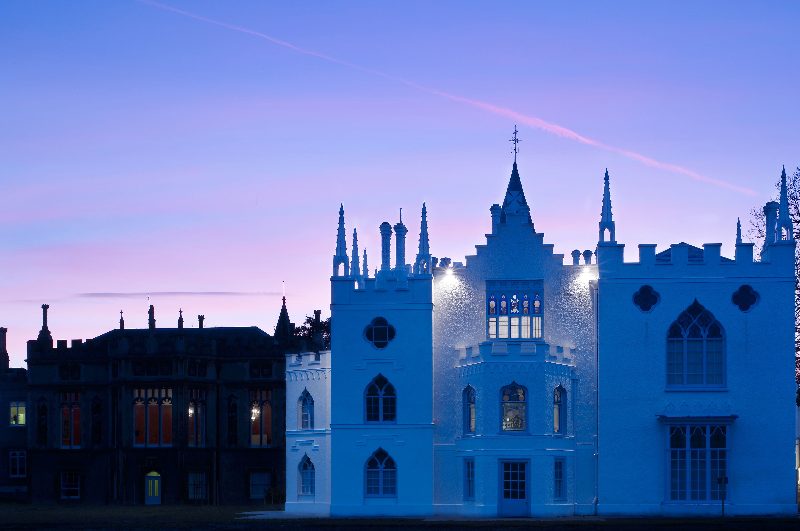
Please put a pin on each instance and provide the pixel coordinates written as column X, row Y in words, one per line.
column 516, row 384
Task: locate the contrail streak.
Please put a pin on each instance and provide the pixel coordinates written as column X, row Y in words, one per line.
column 530, row 121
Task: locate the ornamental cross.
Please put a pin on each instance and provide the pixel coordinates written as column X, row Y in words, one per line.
column 516, row 141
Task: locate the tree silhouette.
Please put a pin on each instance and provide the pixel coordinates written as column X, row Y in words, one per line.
column 756, row 233
column 317, row 336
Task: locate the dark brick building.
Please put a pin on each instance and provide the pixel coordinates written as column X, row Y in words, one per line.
column 158, row 415
column 13, row 430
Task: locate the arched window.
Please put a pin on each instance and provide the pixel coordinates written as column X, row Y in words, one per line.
column 468, row 398
column 514, row 407
column 260, row 418
column 306, row 411
column 306, row 477
column 695, row 349
column 380, row 400
column 559, row 410
column 381, row 478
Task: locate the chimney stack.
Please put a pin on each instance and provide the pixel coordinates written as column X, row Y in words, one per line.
column 200, row 319
column 151, row 318
column 386, row 242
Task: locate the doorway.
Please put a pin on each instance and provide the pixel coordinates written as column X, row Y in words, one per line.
column 152, row 488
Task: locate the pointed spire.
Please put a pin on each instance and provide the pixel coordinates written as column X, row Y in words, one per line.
column 354, row 265
column 738, row 231
column 284, row 328
column 606, row 219
column 422, row 265
column 365, row 269
column 515, row 203
column 784, row 231
column 340, row 257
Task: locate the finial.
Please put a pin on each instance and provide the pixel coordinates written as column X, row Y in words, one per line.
column 364, row 268
column 121, row 321
column 785, row 230
column 606, row 218
column 516, row 141
column 340, row 256
column 180, row 317
column 738, row 231
column 355, row 267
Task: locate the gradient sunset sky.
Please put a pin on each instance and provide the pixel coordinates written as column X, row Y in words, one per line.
column 197, row 152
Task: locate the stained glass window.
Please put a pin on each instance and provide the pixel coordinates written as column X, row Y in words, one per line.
column 513, row 407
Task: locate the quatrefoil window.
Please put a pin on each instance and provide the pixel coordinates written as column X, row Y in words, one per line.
column 745, row 297
column 379, row 332
column 646, row 298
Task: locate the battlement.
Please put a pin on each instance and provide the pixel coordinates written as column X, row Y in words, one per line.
column 38, row 347
column 516, row 351
column 308, row 360
column 388, row 287
column 689, row 261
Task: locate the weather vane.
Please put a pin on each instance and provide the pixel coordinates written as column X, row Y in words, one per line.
column 516, row 141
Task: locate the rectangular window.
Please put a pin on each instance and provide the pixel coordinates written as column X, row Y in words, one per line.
column 17, row 464
column 526, row 328
column 259, row 485
column 469, row 478
column 197, row 486
column 492, row 327
column 502, row 327
column 515, row 328
column 698, row 462
column 70, row 485
column 70, row 420
column 558, row 479
column 514, row 480
column 537, row 327
column 16, row 414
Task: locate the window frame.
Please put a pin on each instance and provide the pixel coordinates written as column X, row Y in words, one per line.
column 261, row 409
column 385, row 464
column 71, row 419
column 305, row 411
column 164, row 425
column 17, row 460
column 690, row 458
column 469, row 411
column 559, row 479
column 560, row 411
column 682, row 346
column 469, row 479
column 193, row 486
column 524, row 406
column 386, row 394
column 14, row 407
column 306, row 478
column 69, row 480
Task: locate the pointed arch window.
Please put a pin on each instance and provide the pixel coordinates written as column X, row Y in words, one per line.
column 513, row 405
column 559, row 410
column 306, row 472
column 306, row 410
column 152, row 417
column 468, row 397
column 380, row 400
column 695, row 349
column 381, row 475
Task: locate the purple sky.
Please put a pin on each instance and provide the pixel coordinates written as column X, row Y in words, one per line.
column 144, row 150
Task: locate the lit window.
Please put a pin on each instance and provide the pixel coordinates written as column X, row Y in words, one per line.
column 380, row 400
column 17, row 464
column 492, row 327
column 559, row 410
column 260, row 418
column 526, row 328
column 468, row 397
column 381, row 475
column 306, row 475
column 514, row 328
column 17, row 413
column 695, row 349
column 306, row 410
column 196, row 418
column 502, row 327
column 469, row 478
column 513, row 407
column 70, row 420
column 517, row 317
column 698, row 466
column 152, row 417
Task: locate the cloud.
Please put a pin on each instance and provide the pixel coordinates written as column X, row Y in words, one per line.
column 531, row 121
column 141, row 295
